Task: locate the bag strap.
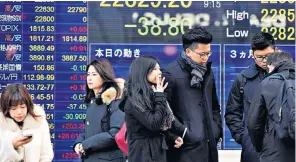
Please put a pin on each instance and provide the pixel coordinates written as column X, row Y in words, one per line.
column 283, row 75
column 242, row 81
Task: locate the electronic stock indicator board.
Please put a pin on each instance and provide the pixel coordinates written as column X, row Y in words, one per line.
column 46, row 45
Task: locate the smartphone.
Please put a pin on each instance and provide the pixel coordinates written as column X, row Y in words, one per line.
column 28, row 136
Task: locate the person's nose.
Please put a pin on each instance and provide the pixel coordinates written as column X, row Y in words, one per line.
column 19, row 111
column 159, row 72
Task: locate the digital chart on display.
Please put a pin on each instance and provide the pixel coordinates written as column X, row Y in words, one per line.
column 46, row 45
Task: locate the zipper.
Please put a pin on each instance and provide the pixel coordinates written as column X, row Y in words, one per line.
column 25, row 155
column 24, row 159
column 206, row 112
column 280, row 114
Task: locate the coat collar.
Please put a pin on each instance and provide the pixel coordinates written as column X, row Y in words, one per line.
column 29, row 122
column 109, row 94
column 252, row 71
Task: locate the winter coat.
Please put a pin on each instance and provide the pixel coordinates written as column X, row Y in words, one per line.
column 239, row 101
column 38, row 150
column 146, row 141
column 98, row 138
column 198, row 109
column 261, row 127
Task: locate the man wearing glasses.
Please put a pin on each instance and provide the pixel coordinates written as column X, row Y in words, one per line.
column 242, row 91
column 191, row 93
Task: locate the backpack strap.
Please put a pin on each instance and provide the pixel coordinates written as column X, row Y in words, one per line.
column 282, row 75
column 242, row 82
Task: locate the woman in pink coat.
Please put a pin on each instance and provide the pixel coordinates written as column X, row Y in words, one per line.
column 23, row 127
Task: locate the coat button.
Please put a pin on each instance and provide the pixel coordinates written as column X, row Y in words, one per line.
column 204, row 121
column 206, row 140
column 200, row 104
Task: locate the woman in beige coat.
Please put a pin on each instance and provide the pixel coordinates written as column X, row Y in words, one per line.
column 23, row 127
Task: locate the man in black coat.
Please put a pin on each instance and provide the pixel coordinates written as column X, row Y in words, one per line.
column 242, row 91
column 260, row 125
column 191, row 93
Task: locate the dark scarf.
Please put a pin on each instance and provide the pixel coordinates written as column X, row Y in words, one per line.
column 198, row 71
column 167, row 123
column 20, row 124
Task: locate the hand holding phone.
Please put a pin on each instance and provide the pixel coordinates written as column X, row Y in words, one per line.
column 21, row 140
column 28, row 136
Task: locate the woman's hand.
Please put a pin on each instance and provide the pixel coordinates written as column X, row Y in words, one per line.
column 20, row 141
column 178, row 142
column 77, row 149
column 159, row 87
column 81, row 149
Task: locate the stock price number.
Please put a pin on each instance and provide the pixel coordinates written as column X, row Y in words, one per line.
column 288, row 13
column 68, row 136
column 277, row 1
column 52, row 136
column 41, row 57
column 77, row 97
column 73, row 126
column 156, row 29
column 38, row 77
column 76, row 87
column 70, row 155
column 78, row 48
column 81, row 68
column 76, row 116
column 47, row 106
column 44, row 8
column 80, row 29
column 42, row 97
column 43, row 67
column 71, row 38
column 147, row 4
column 77, row 10
column 43, row 19
column 76, row 107
column 39, row 87
column 72, row 58
column 51, row 125
column 41, row 48
column 78, row 77
column 49, row 116
column 37, row 28
column 41, row 38
column 281, row 33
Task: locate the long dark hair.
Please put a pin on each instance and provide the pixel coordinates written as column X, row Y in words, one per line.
column 104, row 68
column 14, row 95
column 137, row 85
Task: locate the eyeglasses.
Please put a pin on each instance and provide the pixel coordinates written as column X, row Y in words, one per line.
column 261, row 58
column 203, row 54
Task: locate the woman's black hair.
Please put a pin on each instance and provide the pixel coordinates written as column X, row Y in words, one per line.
column 137, row 84
column 105, row 70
